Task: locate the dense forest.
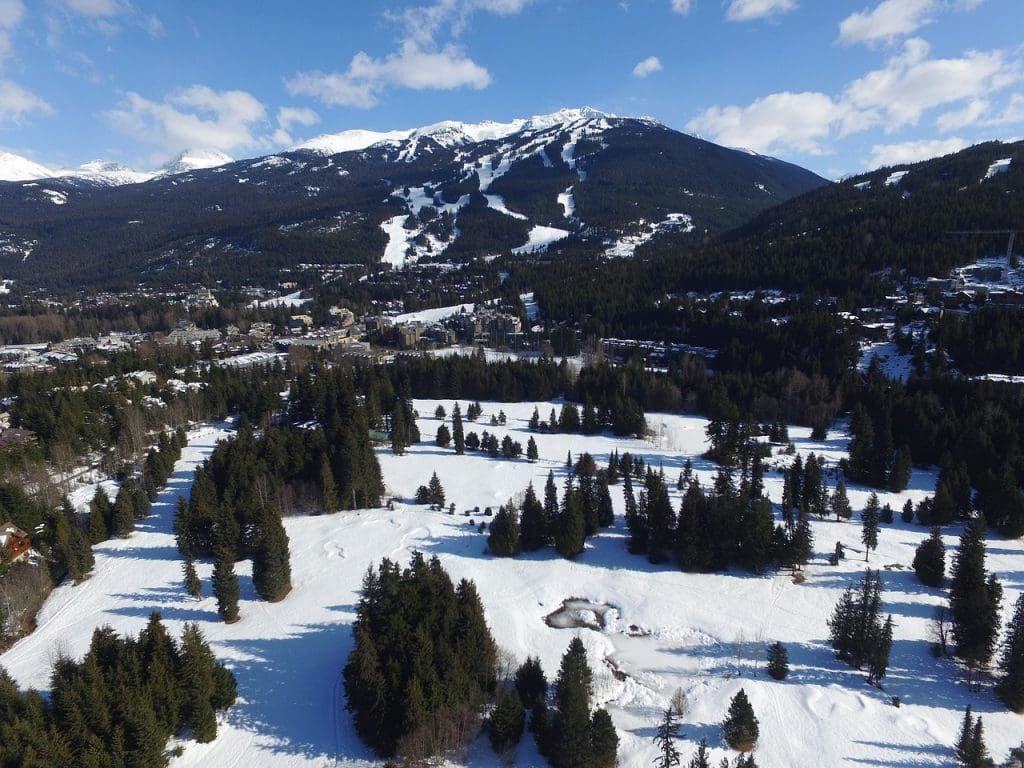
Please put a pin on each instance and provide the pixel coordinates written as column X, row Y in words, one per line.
column 120, row 704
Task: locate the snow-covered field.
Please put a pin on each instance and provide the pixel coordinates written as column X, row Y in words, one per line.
column 664, row 629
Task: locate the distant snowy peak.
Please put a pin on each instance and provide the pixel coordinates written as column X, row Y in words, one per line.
column 111, row 174
column 195, row 160
column 451, row 133
column 17, row 168
column 349, row 141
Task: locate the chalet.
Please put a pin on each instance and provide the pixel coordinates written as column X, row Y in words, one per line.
column 15, row 542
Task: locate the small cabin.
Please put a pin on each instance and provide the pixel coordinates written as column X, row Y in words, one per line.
column 15, row 541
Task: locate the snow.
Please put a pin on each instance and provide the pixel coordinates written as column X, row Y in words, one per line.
column 110, row 174
column 17, row 168
column 999, row 166
column 398, row 240
column 288, row 300
column 540, row 238
column 530, row 305
column 435, row 315
column 894, row 365
column 194, row 160
column 626, row 245
column 863, row 184
column 895, row 178
column 448, row 133
column 662, row 629
column 497, row 202
column 568, row 203
column 55, row 197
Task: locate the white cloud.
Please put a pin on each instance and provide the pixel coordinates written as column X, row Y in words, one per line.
column 801, row 121
column 93, row 7
column 748, row 10
column 912, row 151
column 911, row 83
column 971, row 114
column 682, row 6
column 366, row 78
column 889, row 20
column 195, row 117
column 420, row 62
column 648, row 66
column 16, row 103
column 288, row 117
column 11, row 14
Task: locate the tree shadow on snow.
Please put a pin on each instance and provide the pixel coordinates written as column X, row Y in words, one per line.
column 292, row 696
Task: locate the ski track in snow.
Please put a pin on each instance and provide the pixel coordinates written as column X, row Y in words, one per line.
column 667, row 629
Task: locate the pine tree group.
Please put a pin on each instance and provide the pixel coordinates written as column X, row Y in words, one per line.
column 572, row 737
column 974, row 599
column 423, row 662
column 856, row 630
column 120, row 704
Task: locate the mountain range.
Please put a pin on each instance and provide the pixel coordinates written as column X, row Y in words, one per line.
column 450, row 191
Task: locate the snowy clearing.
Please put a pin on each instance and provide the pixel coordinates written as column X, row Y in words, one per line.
column 656, row 628
column 540, row 238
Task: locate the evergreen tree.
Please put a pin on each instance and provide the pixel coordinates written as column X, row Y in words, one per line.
column 507, row 721
column 930, row 559
column 532, row 525
column 869, row 532
column 878, row 657
column 1010, row 686
column 531, row 450
column 444, row 437
column 907, row 513
column 271, row 569
column 570, row 531
column 100, row 513
column 458, row 438
column 328, row 487
column 604, row 741
column 973, row 601
column 551, row 507
column 840, row 502
column 660, row 519
column 531, row 684
column 504, row 537
column 436, row 491
column 701, row 758
column 605, row 510
column 855, row 630
column 225, row 585
column 740, row 729
column 778, row 661
column 399, row 430
column 193, row 585
column 572, row 722
column 665, row 738
column 534, row 423
column 123, row 515
column 197, row 679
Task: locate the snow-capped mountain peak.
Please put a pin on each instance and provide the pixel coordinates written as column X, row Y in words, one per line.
column 448, row 133
column 195, row 160
column 112, row 174
column 17, row 168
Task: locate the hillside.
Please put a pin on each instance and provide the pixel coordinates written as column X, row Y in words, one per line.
column 900, row 218
column 451, row 191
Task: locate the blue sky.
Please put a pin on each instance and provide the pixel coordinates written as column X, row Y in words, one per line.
column 832, row 85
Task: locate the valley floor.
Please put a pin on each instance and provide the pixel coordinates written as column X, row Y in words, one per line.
column 663, row 630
